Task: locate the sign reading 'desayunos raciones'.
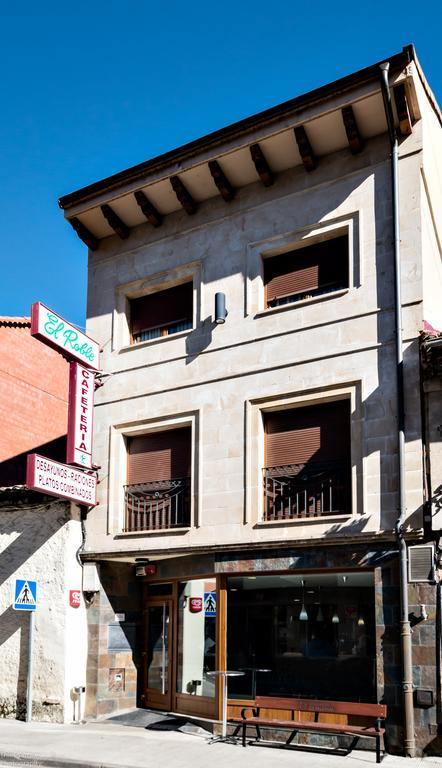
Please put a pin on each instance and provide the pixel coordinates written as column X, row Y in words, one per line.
column 57, row 332
column 80, row 418
column 57, row 479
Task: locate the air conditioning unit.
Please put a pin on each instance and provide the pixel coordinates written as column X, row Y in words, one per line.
column 421, row 562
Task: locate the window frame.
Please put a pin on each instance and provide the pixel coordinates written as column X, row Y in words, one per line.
column 255, row 453
column 162, row 327
column 118, row 461
column 121, row 325
column 257, row 253
column 302, row 295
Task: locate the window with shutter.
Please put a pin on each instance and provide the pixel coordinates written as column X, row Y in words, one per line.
column 162, row 313
column 159, row 456
column 157, row 494
column 307, row 461
column 307, row 272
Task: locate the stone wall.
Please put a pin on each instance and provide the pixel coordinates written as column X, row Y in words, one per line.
column 114, row 677
column 221, row 377
column 424, row 640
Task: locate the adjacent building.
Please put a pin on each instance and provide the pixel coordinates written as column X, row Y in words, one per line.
column 39, row 535
column 256, row 498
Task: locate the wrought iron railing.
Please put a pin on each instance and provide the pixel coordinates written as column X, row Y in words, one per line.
column 158, row 505
column 307, row 490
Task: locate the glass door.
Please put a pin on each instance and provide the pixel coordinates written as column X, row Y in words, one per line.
column 158, row 673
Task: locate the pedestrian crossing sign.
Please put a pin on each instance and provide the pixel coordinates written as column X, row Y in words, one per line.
column 25, row 595
column 210, row 604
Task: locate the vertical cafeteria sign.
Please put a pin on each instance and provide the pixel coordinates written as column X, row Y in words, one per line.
column 80, row 418
column 84, row 355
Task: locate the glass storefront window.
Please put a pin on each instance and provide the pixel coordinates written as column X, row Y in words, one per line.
column 196, row 637
column 306, row 635
column 158, row 644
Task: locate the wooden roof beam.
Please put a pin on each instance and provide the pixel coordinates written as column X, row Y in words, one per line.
column 114, row 221
column 221, row 181
column 402, row 109
column 84, row 233
column 305, row 148
column 183, row 195
column 263, row 169
column 354, row 138
column 153, row 216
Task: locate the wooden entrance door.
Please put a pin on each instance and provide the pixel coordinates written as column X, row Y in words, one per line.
column 158, row 616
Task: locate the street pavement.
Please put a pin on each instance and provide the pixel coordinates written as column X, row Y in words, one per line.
column 109, row 745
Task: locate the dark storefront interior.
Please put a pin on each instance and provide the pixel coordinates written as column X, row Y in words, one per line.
column 309, row 635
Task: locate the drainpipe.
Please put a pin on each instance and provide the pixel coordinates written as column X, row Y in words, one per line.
column 83, row 516
column 407, row 671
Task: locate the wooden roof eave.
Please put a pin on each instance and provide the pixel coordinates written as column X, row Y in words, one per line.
column 262, row 120
column 341, row 104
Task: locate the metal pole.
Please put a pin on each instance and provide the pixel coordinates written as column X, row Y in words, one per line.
column 163, row 653
column 30, row 667
column 224, row 729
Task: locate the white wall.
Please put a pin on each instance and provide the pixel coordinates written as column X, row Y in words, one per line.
column 38, row 542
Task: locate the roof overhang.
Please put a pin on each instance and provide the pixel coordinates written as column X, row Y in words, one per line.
column 343, row 114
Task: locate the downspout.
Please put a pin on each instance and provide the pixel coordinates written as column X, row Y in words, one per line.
column 83, row 516
column 407, row 671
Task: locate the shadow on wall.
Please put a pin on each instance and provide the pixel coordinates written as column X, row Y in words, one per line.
column 14, row 705
column 13, row 470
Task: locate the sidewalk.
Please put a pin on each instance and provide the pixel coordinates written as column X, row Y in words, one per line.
column 106, row 745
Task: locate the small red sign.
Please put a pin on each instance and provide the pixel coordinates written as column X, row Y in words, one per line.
column 195, row 604
column 74, row 598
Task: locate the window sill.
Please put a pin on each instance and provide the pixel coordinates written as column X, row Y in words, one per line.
column 158, row 532
column 302, row 302
column 151, row 342
column 304, row 520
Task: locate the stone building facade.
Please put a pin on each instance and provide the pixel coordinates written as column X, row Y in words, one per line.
column 39, row 535
column 249, row 458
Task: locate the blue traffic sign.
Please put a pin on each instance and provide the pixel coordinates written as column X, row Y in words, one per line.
column 210, row 604
column 25, row 595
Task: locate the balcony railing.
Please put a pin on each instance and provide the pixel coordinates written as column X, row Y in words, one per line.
column 158, row 505
column 309, row 490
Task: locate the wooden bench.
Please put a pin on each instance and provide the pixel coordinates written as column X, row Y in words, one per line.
column 374, row 712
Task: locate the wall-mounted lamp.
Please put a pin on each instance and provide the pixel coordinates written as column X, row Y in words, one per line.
column 422, row 616
column 220, row 308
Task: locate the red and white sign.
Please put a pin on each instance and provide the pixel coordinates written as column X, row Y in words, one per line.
column 57, row 479
column 49, row 327
column 80, row 418
column 195, row 604
column 74, row 598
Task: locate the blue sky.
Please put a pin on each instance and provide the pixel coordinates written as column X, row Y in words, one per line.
column 90, row 91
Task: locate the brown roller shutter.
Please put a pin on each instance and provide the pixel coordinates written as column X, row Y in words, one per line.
column 315, row 433
column 319, row 267
column 159, row 456
column 162, row 308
